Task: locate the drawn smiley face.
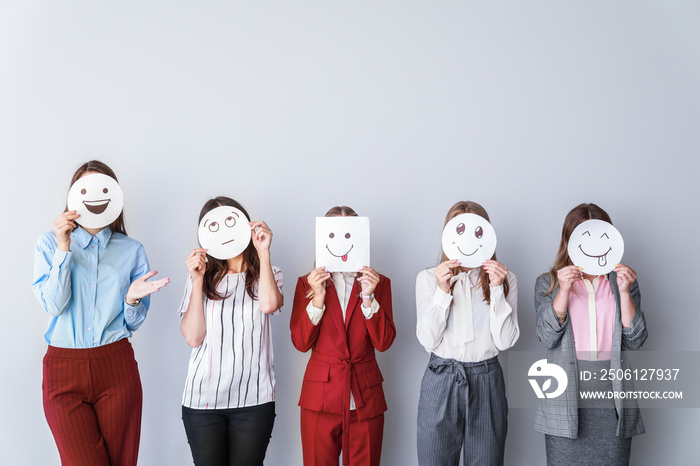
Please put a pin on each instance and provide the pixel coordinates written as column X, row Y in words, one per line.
column 224, row 232
column 342, row 243
column 596, row 246
column 97, row 198
column 470, row 239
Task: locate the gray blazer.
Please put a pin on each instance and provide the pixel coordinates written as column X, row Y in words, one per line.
column 559, row 416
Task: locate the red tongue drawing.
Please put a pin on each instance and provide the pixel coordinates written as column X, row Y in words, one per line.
column 345, row 258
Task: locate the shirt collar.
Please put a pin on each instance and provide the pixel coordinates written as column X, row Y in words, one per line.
column 83, row 238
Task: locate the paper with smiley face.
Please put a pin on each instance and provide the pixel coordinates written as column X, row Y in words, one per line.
column 596, row 246
column 224, row 232
column 342, row 243
column 470, row 239
column 97, row 198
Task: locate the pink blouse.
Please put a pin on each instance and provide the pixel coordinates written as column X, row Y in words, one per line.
column 592, row 314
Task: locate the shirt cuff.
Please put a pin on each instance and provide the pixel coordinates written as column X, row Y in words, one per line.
column 60, row 256
column 314, row 313
column 370, row 311
column 442, row 299
column 496, row 292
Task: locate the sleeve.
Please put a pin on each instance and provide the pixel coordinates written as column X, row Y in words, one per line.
column 52, row 276
column 368, row 312
column 314, row 313
column 549, row 330
column 135, row 315
column 279, row 280
column 304, row 332
column 433, row 309
column 504, row 314
column 634, row 336
column 381, row 329
column 185, row 303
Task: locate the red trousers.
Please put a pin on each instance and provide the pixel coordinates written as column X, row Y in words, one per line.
column 321, row 439
column 92, row 402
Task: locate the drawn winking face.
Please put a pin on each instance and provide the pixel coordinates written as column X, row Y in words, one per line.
column 98, row 199
column 342, row 243
column 470, row 239
column 224, row 232
column 596, row 246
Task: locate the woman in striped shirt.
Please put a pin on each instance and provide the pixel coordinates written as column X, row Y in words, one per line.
column 228, row 405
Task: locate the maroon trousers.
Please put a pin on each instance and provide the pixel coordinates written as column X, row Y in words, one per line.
column 92, row 402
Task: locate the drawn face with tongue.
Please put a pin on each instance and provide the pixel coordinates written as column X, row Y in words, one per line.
column 342, row 243
column 596, row 246
column 97, row 198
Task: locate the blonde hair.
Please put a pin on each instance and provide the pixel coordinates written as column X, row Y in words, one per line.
column 470, row 207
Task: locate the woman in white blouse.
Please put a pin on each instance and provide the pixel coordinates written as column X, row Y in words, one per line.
column 465, row 317
column 228, row 405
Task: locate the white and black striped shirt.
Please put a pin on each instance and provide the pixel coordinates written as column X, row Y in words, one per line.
column 234, row 366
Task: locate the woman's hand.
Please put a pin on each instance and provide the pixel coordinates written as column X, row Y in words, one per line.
column 625, row 277
column 140, row 287
column 567, row 276
column 317, row 282
column 63, row 225
column 443, row 273
column 262, row 237
column 368, row 280
column 196, row 264
column 497, row 272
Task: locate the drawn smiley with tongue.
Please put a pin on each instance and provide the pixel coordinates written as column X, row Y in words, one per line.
column 342, row 243
column 596, row 246
column 98, row 199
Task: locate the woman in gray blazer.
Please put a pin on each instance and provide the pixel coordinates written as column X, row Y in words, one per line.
column 602, row 434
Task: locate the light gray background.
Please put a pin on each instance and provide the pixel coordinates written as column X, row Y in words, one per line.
column 397, row 108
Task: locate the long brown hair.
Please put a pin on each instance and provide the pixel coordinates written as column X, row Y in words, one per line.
column 574, row 218
column 119, row 225
column 336, row 211
column 470, row 207
column 217, row 268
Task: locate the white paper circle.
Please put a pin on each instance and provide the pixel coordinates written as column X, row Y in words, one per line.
column 470, row 239
column 224, row 232
column 596, row 246
column 97, row 198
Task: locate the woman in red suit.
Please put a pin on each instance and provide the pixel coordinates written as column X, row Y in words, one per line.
column 342, row 318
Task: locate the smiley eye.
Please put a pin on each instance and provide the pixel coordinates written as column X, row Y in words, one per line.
column 332, row 235
column 586, row 233
column 347, row 235
column 213, row 227
column 230, row 222
column 479, row 232
column 83, row 191
column 605, row 234
column 460, row 229
column 105, row 190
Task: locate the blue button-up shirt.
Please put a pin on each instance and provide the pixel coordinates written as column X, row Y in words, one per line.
column 83, row 290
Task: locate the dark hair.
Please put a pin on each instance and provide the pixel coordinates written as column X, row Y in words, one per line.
column 217, row 268
column 470, row 207
column 95, row 166
column 574, row 218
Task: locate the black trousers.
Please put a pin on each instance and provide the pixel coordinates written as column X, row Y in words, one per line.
column 229, row 437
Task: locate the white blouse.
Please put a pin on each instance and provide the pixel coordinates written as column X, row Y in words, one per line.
column 462, row 325
column 234, row 365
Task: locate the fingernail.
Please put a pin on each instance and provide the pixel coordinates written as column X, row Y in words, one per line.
column 580, row 268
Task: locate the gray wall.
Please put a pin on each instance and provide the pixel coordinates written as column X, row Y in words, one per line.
column 397, row 108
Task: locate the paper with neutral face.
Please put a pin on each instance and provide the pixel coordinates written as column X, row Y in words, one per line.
column 342, row 243
column 596, row 246
column 470, row 239
column 97, row 198
column 224, row 232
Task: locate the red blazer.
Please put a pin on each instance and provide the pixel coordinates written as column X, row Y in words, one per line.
column 343, row 351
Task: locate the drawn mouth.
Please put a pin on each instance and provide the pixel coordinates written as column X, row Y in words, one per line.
column 344, row 257
column 462, row 252
column 226, row 242
column 602, row 259
column 97, row 207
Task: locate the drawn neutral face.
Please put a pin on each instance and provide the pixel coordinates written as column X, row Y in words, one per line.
column 596, row 246
column 342, row 243
column 224, row 232
column 97, row 198
column 470, row 239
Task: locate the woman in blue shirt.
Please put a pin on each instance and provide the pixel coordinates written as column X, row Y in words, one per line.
column 92, row 283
